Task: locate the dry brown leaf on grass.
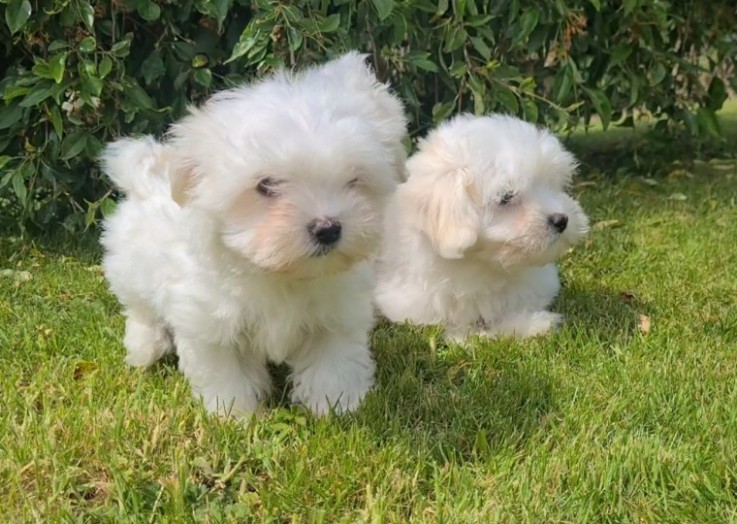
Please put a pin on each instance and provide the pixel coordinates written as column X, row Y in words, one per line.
column 17, row 276
column 678, row 197
column 644, row 324
column 606, row 224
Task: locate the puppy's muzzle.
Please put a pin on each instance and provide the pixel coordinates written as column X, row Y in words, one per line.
column 558, row 221
column 325, row 232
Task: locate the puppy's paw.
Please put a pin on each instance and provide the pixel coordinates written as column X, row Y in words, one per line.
column 146, row 342
column 532, row 324
column 340, row 398
column 229, row 383
column 524, row 325
column 540, row 323
column 240, row 404
column 338, row 382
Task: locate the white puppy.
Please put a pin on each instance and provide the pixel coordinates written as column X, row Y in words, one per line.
column 471, row 236
column 248, row 236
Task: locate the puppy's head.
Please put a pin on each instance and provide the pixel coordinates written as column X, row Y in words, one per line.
column 494, row 189
column 294, row 170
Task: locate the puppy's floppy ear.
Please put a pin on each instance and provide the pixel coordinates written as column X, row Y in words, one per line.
column 181, row 182
column 184, row 138
column 445, row 210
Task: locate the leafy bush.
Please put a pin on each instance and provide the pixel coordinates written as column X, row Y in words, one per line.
column 77, row 73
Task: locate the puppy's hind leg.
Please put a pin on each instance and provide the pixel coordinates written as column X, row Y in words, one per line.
column 146, row 339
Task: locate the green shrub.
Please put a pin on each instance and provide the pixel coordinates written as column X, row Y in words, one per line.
column 76, row 73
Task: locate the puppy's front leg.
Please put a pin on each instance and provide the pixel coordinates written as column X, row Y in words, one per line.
column 228, row 382
column 334, row 370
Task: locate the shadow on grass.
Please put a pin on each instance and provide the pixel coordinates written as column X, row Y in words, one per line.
column 83, row 246
column 599, row 314
column 460, row 402
column 469, row 401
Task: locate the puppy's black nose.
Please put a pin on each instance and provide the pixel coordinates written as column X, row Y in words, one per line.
column 559, row 221
column 325, row 230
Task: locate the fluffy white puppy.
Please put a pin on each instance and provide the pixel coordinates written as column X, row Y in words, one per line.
column 248, row 236
column 470, row 237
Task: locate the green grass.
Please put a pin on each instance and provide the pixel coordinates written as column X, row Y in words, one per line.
column 606, row 420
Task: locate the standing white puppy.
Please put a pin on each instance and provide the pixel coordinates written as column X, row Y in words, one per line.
column 247, row 236
column 471, row 236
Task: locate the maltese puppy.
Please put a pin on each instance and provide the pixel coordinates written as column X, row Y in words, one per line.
column 248, row 236
column 471, row 236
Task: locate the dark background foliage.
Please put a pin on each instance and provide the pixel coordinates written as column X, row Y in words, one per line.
column 77, row 73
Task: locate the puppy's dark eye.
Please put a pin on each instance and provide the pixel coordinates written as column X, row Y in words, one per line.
column 507, row 198
column 268, row 187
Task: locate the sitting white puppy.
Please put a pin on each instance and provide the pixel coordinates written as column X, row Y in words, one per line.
column 248, row 236
column 470, row 237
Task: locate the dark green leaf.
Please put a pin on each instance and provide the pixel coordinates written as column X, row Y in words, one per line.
column 330, row 24
column 480, row 46
column 478, row 88
column 138, row 96
column 602, row 105
column 528, row 22
column 507, row 99
column 87, row 45
column 57, row 65
column 383, row 7
column 149, row 10
column 708, row 122
column 57, row 45
column 19, row 186
column 87, row 14
column 4, row 159
column 421, row 61
column 566, row 82
column 717, row 94
column 657, row 74
column 247, row 41
column 10, row 115
column 220, row 8
column 17, row 14
column 620, row 53
column 107, row 207
column 441, row 111
column 530, row 109
column 56, row 121
column 41, row 69
column 458, row 69
column 203, row 77
column 152, row 68
column 454, row 39
column 38, row 94
column 93, row 147
column 122, row 48
column 295, row 39
column 105, row 66
column 73, row 144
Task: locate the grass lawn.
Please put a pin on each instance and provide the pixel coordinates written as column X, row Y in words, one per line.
column 628, row 414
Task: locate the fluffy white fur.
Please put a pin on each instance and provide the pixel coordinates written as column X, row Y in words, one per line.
column 470, row 238
column 214, row 253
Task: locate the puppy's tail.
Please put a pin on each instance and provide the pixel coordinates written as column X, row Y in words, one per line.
column 137, row 166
